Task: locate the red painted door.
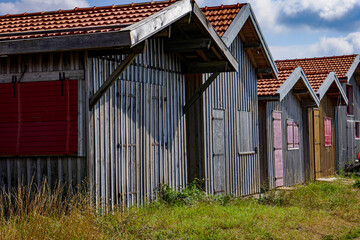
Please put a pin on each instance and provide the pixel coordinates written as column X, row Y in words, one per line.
column 277, row 134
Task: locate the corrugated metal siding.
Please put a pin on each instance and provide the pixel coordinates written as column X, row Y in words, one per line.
column 293, row 160
column 233, row 92
column 63, row 169
column 137, row 130
column 347, row 145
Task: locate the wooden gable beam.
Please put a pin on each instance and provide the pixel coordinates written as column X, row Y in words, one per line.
column 263, row 70
column 188, row 45
column 206, row 67
column 300, row 91
column 252, row 45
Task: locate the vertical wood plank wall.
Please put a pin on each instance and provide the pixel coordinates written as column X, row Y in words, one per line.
column 137, row 129
column 293, row 160
column 66, row 169
column 347, row 145
column 233, row 92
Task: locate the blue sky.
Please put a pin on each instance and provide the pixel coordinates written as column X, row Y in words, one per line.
column 292, row 28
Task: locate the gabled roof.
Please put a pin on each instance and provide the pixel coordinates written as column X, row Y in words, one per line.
column 343, row 66
column 120, row 27
column 222, row 16
column 288, row 79
column 324, row 73
column 233, row 20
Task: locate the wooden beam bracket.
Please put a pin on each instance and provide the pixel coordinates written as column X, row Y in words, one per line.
column 300, row 91
column 207, row 67
column 201, row 90
column 263, row 70
column 188, row 45
column 252, row 45
column 113, row 77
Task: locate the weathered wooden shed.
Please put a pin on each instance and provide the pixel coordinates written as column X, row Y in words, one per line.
column 283, row 126
column 98, row 93
column 222, row 124
column 322, row 137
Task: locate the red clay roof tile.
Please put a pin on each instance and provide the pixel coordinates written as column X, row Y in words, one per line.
column 75, row 21
column 269, row 87
column 316, row 70
column 222, row 16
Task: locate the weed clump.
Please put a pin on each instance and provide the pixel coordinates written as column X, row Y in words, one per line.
column 183, row 196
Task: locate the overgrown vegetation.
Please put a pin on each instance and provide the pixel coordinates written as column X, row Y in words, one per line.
column 313, row 211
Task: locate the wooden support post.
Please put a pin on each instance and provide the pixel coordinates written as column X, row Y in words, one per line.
column 113, row 77
column 202, row 89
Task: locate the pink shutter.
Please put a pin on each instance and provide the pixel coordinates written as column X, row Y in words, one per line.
column 277, row 133
column 327, row 132
column 296, row 135
column 290, row 134
column 277, row 130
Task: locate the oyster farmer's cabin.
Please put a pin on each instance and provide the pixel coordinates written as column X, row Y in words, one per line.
column 104, row 93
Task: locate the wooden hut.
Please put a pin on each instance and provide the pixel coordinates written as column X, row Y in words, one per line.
column 98, row 93
column 322, row 138
column 222, row 123
column 283, row 126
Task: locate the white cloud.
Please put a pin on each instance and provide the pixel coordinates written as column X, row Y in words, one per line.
column 39, row 5
column 349, row 44
column 326, row 9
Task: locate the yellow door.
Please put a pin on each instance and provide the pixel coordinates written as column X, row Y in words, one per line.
column 317, row 143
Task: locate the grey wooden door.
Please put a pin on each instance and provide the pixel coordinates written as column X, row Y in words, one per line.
column 218, row 146
column 350, row 132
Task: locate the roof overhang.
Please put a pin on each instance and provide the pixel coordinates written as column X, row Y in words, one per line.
column 333, row 88
column 298, row 82
column 246, row 13
column 126, row 38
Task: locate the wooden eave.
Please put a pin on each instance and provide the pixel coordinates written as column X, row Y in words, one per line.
column 246, row 26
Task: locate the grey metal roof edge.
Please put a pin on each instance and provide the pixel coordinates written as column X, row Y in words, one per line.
column 158, row 21
column 353, row 67
column 326, row 85
column 238, row 24
column 290, row 82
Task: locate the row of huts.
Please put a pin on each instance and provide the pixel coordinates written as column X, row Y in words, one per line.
column 132, row 96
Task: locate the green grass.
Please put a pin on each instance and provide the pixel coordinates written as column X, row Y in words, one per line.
column 313, row 211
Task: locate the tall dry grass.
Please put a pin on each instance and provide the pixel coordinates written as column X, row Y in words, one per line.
column 32, row 199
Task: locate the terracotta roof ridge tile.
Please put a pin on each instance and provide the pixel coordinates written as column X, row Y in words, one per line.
column 238, row 5
column 85, row 9
column 316, row 58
